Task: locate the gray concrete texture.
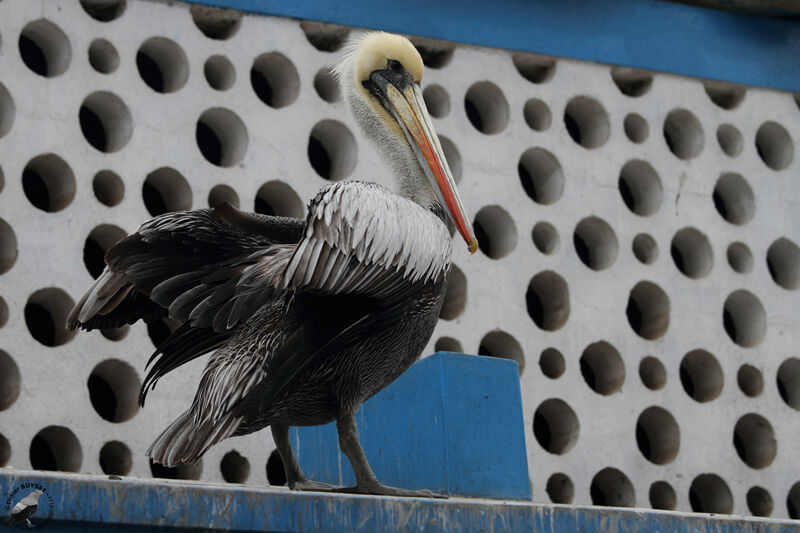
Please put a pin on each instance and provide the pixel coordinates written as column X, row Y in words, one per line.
column 639, row 257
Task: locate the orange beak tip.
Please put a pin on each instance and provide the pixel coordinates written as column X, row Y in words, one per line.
column 473, row 246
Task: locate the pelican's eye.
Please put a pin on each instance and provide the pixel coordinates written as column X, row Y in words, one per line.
column 394, row 65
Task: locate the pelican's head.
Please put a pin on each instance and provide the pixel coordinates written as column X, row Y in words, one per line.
column 379, row 79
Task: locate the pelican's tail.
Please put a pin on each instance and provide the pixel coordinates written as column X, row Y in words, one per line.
column 184, row 441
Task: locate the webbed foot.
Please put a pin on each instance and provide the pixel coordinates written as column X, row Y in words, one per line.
column 384, row 490
column 306, row 484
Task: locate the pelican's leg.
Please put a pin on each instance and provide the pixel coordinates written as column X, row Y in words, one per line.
column 366, row 482
column 294, row 475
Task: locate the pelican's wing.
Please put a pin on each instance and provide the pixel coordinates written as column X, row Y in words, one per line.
column 204, row 267
column 361, row 239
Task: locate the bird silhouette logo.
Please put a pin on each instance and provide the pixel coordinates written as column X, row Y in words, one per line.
column 25, row 508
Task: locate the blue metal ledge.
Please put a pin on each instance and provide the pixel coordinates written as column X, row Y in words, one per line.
column 95, row 503
column 648, row 34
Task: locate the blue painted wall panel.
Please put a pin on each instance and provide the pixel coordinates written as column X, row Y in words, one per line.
column 649, row 34
column 452, row 424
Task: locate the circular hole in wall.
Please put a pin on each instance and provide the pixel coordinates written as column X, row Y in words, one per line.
column 648, row 310
column 162, row 64
column 744, row 318
column 7, row 113
column 9, row 381
column 56, row 448
column 276, row 474
column 555, row 426
column 116, row 458
column 453, row 157
column 630, row 81
column 587, row 122
column 219, row 72
column 448, row 344
column 498, row 343
column 774, row 145
column 534, row 68
column 595, row 243
column 186, row 471
column 788, row 381
column 46, row 316
column 216, row 23
column 114, row 390
column 552, row 363
column 99, row 241
column 683, row 133
column 327, row 87
column 602, row 368
column 734, row 199
column 435, row 53
column 275, row 79
column 759, row 501
column 730, row 140
column 750, row 380
column 636, row 128
column 560, row 488
column 235, row 468
column 537, row 114
column 610, row 487
column 436, row 100
column 332, row 150
column 793, row 501
column 547, row 300
column 657, row 435
column 323, row 36
column 3, row 312
column 652, row 373
column 701, row 375
column 455, row 299
column 754, row 440
column 691, row 252
column 662, row 496
column 8, row 247
column 48, row 183
column 116, row 334
column 108, row 188
column 645, row 248
column 541, row 176
column 165, row 190
column 103, row 57
column 221, row 137
column 278, row 199
column 710, row 494
column 486, row 107
column 222, row 193
column 104, row 10
column 44, row 48
column 5, row 450
column 783, row 262
column 105, row 121
column 640, row 187
column 495, row 231
column 739, row 257
column 725, row 95
column 545, row 237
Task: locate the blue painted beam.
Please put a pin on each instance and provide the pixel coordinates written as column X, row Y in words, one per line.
column 648, row 34
column 452, row 423
column 95, row 503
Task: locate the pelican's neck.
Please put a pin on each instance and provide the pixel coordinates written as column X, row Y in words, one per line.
column 393, row 148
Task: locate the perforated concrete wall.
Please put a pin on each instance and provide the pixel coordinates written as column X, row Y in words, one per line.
column 638, row 234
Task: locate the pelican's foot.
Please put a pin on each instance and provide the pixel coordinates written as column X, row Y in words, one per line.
column 313, row 486
column 384, row 490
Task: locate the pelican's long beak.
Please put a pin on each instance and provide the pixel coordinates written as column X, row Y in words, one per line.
column 402, row 98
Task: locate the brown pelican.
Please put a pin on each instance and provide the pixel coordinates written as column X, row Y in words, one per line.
column 309, row 318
